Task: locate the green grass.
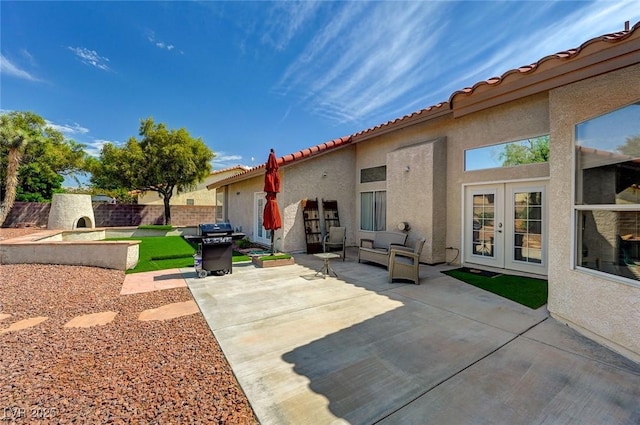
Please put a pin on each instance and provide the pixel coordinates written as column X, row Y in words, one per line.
column 161, row 252
column 523, row 290
column 155, row 227
column 275, row 257
column 166, row 252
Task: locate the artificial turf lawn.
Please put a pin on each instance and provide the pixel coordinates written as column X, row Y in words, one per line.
column 527, row 291
column 166, row 252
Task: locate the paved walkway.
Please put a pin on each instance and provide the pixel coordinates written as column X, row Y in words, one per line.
column 357, row 350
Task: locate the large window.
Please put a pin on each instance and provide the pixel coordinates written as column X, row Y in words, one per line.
column 373, row 210
column 607, row 193
column 526, row 151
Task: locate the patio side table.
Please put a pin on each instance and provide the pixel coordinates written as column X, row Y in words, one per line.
column 326, row 267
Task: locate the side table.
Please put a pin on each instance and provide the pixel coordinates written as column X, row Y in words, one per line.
column 326, row 267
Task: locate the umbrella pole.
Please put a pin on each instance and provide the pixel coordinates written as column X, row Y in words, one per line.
column 272, row 245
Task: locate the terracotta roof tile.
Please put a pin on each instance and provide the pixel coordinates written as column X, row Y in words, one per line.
column 287, row 159
column 546, row 62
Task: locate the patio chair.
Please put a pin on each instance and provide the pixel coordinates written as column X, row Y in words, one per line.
column 336, row 238
column 406, row 264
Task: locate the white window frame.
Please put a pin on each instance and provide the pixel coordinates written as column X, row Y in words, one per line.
column 576, row 236
column 373, row 213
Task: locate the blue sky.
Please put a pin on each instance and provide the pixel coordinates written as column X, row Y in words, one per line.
column 249, row 76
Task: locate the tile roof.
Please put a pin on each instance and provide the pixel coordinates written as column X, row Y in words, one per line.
column 547, row 63
column 287, row 159
column 233, row 167
column 537, row 77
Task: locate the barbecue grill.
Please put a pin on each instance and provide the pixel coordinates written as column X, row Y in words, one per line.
column 214, row 245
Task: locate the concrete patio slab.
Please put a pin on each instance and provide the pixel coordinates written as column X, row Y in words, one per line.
column 356, row 349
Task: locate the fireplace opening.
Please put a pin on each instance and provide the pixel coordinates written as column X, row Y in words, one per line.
column 83, row 222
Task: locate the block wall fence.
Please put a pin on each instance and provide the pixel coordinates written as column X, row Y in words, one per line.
column 115, row 215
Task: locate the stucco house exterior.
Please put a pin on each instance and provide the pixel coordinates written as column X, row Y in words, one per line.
column 573, row 216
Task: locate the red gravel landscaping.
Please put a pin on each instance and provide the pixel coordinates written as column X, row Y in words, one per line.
column 127, row 371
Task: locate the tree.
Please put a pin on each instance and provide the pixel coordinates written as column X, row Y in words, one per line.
column 33, row 159
column 527, row 151
column 161, row 161
column 631, row 146
column 17, row 130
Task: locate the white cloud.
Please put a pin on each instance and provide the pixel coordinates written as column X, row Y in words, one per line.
column 68, row 129
column 9, row 68
column 370, row 56
column 373, row 61
column 90, row 57
column 93, row 148
column 286, row 19
column 225, row 160
column 151, row 37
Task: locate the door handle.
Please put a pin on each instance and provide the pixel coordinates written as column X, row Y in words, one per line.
column 499, row 227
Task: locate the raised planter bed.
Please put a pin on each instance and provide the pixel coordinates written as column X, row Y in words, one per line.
column 264, row 263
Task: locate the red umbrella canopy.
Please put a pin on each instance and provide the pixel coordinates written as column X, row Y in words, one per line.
column 272, row 178
column 271, row 219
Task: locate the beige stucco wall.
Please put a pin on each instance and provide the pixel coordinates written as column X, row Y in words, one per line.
column 303, row 180
column 306, row 180
column 240, row 204
column 606, row 309
column 510, row 122
column 417, row 169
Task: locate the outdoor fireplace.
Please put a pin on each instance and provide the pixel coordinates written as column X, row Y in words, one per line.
column 71, row 211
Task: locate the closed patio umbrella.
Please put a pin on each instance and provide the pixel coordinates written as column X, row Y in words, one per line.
column 271, row 219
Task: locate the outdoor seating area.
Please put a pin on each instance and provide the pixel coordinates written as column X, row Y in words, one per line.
column 377, row 250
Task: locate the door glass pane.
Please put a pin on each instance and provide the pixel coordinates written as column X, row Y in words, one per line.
column 260, row 210
column 483, row 225
column 527, row 225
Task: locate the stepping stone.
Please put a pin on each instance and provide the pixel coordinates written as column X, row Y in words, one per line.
column 94, row 319
column 4, row 316
column 169, row 311
column 24, row 324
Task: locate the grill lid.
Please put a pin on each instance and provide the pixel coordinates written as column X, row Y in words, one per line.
column 207, row 228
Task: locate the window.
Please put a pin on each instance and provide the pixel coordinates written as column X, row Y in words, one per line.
column 373, row 210
column 526, row 151
column 190, row 202
column 374, row 174
column 607, row 193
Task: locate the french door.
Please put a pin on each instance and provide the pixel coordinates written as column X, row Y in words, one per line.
column 505, row 226
column 260, row 234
